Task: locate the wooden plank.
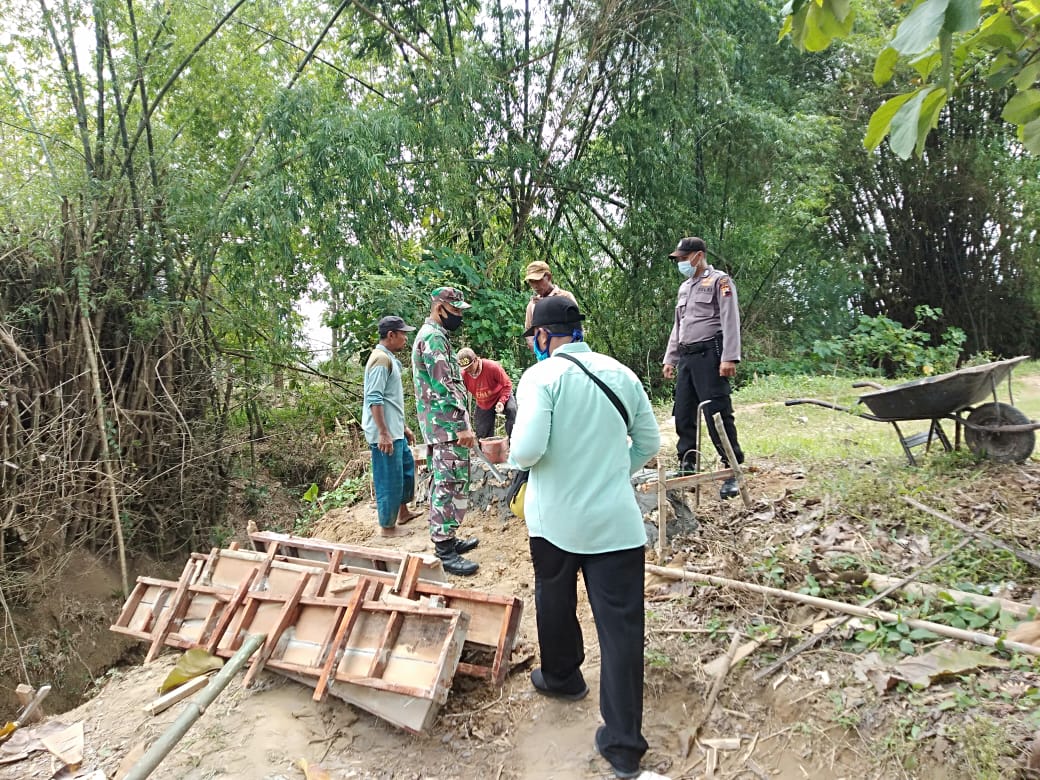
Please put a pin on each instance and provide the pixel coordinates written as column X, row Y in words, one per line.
column 230, row 608
column 346, row 623
column 373, row 558
column 179, row 693
column 131, row 605
column 285, row 619
column 177, row 604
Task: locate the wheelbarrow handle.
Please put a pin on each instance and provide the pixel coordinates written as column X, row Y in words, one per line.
column 835, row 407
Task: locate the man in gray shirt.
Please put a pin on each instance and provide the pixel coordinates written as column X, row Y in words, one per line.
column 702, row 354
column 382, row 419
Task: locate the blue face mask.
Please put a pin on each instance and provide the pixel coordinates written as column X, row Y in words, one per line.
column 539, row 353
column 685, row 268
column 575, row 336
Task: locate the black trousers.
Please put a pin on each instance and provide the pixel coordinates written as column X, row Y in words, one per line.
column 484, row 419
column 614, row 582
column 697, row 379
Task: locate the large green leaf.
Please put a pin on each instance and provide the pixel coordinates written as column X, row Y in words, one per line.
column 1030, row 133
column 841, row 9
column 999, row 31
column 902, row 136
column 885, row 66
column 1028, row 75
column 962, row 15
column 921, row 27
column 929, row 117
column 1023, row 107
column 882, row 119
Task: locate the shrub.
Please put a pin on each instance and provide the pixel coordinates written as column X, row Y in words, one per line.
column 879, row 345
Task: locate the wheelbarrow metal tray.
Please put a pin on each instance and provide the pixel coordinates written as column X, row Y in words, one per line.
column 939, row 396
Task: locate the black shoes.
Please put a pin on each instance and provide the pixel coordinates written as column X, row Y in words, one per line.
column 538, row 681
column 601, row 734
column 465, row 545
column 454, row 563
column 729, row 489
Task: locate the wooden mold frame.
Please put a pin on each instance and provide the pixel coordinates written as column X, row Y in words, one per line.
column 158, row 608
column 494, row 620
column 362, row 559
column 396, row 660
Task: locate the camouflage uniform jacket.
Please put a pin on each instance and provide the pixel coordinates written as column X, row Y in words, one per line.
column 440, row 395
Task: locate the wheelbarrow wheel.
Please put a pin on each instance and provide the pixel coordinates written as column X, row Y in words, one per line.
column 1002, row 446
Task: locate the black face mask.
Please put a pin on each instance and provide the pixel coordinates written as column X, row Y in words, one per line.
column 451, row 322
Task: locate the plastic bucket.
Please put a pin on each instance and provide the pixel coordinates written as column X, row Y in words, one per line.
column 495, row 449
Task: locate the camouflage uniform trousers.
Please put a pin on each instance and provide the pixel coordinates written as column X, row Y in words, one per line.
column 449, row 491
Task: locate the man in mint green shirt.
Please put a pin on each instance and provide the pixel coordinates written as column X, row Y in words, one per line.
column 581, row 515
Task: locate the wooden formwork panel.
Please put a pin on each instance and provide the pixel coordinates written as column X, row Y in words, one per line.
column 494, row 619
column 396, row 661
column 366, row 559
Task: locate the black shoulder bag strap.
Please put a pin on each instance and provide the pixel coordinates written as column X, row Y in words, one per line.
column 602, row 386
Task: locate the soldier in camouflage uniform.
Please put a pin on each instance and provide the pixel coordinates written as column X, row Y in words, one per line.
column 440, row 404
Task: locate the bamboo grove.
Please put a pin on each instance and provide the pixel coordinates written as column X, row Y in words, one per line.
column 177, row 177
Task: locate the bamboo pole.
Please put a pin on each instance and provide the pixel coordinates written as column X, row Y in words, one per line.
column 815, row 639
column 193, row 710
column 106, row 455
column 882, row 616
column 974, row 600
column 1022, row 555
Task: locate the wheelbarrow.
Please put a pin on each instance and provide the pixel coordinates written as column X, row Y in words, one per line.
column 994, row 429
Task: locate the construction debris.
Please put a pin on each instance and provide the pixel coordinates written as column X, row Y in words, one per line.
column 376, row 628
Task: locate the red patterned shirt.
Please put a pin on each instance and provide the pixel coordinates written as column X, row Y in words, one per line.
column 490, row 386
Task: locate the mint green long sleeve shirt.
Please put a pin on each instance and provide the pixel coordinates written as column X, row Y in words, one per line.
column 568, row 433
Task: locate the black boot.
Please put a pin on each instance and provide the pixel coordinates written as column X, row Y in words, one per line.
column 452, row 562
column 729, row 489
column 465, row 545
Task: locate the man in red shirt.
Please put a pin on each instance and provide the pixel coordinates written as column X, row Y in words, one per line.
column 489, row 384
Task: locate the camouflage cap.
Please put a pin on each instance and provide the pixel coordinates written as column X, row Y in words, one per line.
column 451, row 296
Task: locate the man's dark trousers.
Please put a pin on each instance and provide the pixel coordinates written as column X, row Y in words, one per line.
column 697, row 379
column 614, row 583
column 484, row 419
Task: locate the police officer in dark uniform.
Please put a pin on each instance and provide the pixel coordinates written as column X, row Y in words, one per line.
column 703, row 352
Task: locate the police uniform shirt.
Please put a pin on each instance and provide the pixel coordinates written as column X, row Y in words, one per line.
column 706, row 304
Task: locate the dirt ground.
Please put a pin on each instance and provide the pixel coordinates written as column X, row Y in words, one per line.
column 793, row 725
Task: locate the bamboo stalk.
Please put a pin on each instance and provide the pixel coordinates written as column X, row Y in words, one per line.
column 882, row 616
column 193, row 710
column 815, row 639
column 106, row 455
column 975, row 600
column 1022, row 555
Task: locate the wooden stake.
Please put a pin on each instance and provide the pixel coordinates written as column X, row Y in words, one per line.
column 662, row 511
column 738, row 473
column 881, row 616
